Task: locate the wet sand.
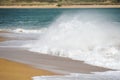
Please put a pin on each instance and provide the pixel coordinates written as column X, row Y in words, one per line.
column 2, row 39
column 47, row 62
column 10, row 70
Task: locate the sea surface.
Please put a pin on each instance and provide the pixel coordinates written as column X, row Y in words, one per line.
column 90, row 35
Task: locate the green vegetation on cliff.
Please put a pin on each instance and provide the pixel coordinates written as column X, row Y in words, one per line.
column 59, row 2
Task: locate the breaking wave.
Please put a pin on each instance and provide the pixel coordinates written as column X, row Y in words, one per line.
column 87, row 36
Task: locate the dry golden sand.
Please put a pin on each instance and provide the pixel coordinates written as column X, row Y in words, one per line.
column 10, row 70
column 64, row 6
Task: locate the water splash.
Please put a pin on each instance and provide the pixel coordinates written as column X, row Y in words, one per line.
column 91, row 37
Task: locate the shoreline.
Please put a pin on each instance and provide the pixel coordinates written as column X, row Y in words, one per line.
column 54, row 64
column 10, row 70
column 13, row 70
column 20, row 64
column 64, row 6
column 47, row 62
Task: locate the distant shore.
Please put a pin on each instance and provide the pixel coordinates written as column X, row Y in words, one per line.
column 64, row 6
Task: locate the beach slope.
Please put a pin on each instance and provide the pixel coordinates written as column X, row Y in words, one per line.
column 10, row 70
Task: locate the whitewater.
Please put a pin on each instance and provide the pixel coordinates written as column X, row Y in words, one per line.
column 110, row 75
column 82, row 36
column 91, row 38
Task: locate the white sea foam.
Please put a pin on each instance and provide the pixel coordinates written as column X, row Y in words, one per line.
column 21, row 30
column 111, row 75
column 83, row 36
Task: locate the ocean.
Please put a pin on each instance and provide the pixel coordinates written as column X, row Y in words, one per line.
column 89, row 35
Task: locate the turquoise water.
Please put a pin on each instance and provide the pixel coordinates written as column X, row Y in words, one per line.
column 37, row 18
column 27, row 18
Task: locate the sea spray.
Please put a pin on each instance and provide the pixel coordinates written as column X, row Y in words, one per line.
column 91, row 37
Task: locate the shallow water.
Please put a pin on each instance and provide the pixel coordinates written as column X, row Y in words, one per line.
column 97, row 76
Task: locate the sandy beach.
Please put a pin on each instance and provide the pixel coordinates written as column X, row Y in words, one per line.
column 10, row 70
column 65, row 6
